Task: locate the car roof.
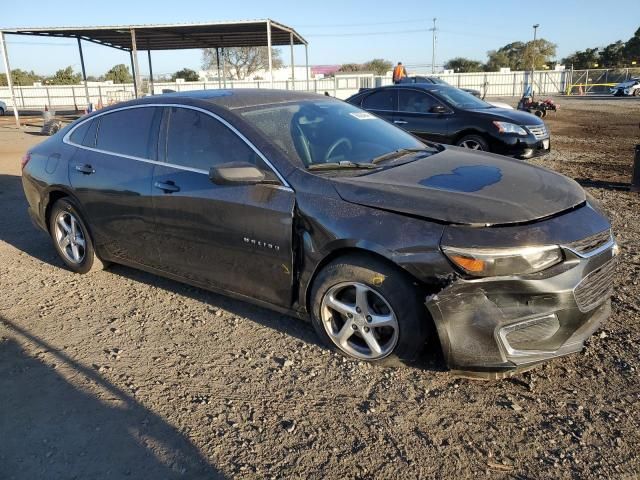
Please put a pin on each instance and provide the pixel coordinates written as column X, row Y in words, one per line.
column 421, row 86
column 233, row 98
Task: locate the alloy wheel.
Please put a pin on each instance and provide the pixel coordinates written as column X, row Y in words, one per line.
column 70, row 237
column 359, row 321
column 471, row 144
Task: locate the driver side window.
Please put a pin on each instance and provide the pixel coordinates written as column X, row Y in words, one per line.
column 197, row 140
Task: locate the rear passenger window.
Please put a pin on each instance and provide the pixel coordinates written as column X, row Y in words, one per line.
column 414, row 101
column 197, row 140
column 90, row 137
column 382, row 100
column 79, row 133
column 129, row 132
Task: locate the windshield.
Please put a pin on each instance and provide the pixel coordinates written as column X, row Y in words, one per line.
column 460, row 98
column 327, row 131
column 439, row 81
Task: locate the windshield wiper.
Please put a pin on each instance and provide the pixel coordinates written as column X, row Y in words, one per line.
column 398, row 153
column 339, row 165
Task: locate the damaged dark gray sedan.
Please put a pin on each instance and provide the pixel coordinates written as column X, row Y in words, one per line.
column 313, row 207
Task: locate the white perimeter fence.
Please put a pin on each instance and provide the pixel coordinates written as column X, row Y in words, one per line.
column 492, row 84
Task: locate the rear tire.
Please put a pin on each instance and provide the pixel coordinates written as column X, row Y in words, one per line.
column 473, row 142
column 71, row 238
column 51, row 127
column 366, row 309
column 1, row 112
column 636, row 92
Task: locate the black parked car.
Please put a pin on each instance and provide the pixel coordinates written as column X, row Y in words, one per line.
column 445, row 114
column 437, row 81
column 313, row 207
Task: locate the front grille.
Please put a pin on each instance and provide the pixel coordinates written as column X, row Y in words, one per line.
column 539, row 131
column 531, row 334
column 596, row 287
column 591, row 243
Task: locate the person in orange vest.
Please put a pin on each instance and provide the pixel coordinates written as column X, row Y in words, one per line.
column 399, row 72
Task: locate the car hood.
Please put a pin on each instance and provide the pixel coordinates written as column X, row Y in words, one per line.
column 628, row 83
column 509, row 115
column 463, row 187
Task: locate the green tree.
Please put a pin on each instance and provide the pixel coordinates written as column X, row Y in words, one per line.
column 20, row 77
column 632, row 49
column 187, row 74
column 119, row 74
column 242, row 62
column 350, row 67
column 379, row 66
column 520, row 55
column 612, row 55
column 583, row 59
column 461, row 64
column 65, row 76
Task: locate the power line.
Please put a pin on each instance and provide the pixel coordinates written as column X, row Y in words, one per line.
column 367, row 34
column 414, row 20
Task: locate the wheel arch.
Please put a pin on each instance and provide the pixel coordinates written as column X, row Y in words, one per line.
column 57, row 192
column 353, row 249
column 471, row 131
column 51, row 196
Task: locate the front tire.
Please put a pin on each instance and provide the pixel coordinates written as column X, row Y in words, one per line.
column 473, row 142
column 71, row 238
column 636, row 92
column 366, row 309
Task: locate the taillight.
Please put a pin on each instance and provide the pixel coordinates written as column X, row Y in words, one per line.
column 25, row 159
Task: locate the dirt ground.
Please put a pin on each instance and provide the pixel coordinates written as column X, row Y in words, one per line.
column 125, row 374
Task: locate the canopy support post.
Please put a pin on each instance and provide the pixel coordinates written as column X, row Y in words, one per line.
column 306, row 63
column 5, row 58
column 133, row 69
column 84, row 74
column 218, row 66
column 134, row 64
column 151, row 86
column 269, row 51
column 224, row 68
column 293, row 65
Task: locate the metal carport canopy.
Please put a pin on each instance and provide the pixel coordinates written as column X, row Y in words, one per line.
column 130, row 38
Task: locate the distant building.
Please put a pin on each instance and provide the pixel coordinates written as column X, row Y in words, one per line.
column 324, row 70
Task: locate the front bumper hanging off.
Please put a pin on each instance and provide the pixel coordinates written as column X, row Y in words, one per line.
column 493, row 327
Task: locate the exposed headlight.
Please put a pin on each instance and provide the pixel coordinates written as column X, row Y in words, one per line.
column 496, row 262
column 506, row 127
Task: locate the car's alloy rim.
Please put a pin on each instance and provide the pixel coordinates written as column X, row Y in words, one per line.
column 472, row 144
column 359, row 321
column 70, row 237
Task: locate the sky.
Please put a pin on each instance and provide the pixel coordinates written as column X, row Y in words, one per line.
column 338, row 31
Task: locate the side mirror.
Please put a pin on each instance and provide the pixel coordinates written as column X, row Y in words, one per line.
column 438, row 109
column 236, row 173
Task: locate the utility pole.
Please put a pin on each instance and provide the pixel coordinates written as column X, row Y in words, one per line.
column 533, row 56
column 433, row 54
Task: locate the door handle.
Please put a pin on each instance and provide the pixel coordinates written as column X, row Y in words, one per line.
column 167, row 187
column 400, row 122
column 86, row 169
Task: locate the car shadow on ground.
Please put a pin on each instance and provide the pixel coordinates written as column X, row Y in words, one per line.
column 588, row 182
column 53, row 429
column 17, row 230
